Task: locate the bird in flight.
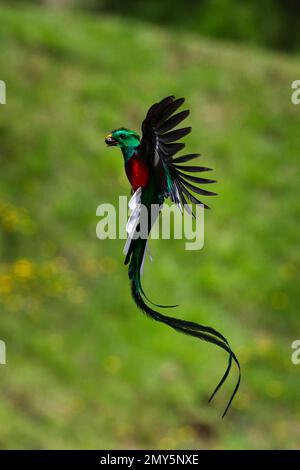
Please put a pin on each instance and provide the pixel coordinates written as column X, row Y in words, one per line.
column 155, row 175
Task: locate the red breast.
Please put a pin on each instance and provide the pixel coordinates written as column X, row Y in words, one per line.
column 137, row 172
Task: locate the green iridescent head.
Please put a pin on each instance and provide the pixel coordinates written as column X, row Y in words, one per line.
column 123, row 138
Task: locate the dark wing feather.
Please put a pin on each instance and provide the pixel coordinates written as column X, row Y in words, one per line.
column 170, row 149
column 160, row 144
column 196, row 179
column 195, row 188
column 164, row 126
column 192, row 169
column 175, row 135
column 186, row 158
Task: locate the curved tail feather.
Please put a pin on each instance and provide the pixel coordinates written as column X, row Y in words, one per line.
column 202, row 332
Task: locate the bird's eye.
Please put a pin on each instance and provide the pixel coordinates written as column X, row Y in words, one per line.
column 122, row 136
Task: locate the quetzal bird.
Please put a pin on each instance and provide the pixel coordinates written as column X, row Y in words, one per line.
column 154, row 175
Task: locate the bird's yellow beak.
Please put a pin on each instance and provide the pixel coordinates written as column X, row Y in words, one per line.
column 110, row 141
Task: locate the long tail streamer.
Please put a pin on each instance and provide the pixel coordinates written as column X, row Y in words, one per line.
column 202, row 332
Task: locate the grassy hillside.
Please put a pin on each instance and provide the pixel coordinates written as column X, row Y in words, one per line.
column 84, row 368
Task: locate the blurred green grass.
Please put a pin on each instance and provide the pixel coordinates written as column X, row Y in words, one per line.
column 84, row 368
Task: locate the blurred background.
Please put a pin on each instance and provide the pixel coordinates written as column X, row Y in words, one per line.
column 85, row 369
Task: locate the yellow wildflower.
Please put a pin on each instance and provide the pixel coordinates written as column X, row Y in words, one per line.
column 23, row 269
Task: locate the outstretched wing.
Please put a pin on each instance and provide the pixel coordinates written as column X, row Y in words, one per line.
column 160, row 143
